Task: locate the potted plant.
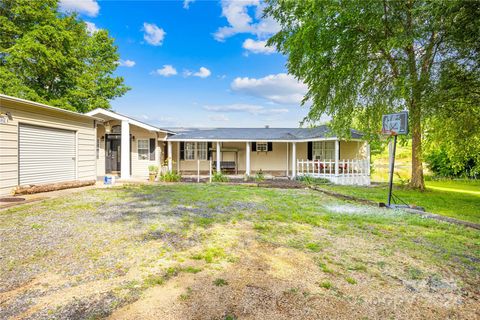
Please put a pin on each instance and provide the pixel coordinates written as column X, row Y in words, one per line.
column 152, row 173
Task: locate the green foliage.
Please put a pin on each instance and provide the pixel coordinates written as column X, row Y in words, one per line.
column 153, row 169
column 259, row 176
column 309, row 180
column 50, row 57
column 362, row 59
column 326, row 285
column 350, row 280
column 219, row 282
column 219, row 177
column 170, row 176
column 442, row 165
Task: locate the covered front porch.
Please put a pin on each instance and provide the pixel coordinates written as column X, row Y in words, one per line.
column 340, row 161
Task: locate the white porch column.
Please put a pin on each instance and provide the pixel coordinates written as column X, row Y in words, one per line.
column 169, row 156
column 368, row 158
column 247, row 165
column 294, row 160
column 218, row 153
column 125, row 152
column 337, row 157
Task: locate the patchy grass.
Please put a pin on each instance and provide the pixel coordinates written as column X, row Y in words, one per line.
column 159, row 249
column 456, row 199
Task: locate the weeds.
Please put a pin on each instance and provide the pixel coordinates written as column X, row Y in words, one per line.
column 219, row 282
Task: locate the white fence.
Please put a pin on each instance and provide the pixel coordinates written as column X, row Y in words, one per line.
column 349, row 171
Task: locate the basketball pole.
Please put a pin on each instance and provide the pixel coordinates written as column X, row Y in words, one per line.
column 392, row 166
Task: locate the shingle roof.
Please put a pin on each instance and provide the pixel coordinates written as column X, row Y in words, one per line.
column 257, row 134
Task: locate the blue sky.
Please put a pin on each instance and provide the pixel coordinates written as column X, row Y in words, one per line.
column 197, row 63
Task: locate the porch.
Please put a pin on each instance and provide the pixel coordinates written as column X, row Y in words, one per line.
column 341, row 162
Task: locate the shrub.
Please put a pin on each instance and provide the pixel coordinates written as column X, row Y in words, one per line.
column 219, row 177
column 442, row 165
column 259, row 177
column 170, row 176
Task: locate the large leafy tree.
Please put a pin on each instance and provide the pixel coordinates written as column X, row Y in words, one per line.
column 361, row 59
column 51, row 57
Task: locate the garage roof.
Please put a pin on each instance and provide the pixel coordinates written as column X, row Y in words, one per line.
column 4, row 97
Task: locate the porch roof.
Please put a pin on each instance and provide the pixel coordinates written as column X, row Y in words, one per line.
column 107, row 115
column 259, row 134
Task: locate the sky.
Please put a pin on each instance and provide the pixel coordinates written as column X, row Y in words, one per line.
column 193, row 63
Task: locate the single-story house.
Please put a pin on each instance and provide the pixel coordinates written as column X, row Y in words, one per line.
column 41, row 144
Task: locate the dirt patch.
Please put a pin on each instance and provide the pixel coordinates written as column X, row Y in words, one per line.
column 278, row 283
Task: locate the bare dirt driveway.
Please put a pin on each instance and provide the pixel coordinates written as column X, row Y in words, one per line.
column 199, row 251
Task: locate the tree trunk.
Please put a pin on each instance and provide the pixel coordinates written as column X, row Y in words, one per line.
column 417, row 165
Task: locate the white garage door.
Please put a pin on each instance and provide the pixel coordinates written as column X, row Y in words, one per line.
column 46, row 155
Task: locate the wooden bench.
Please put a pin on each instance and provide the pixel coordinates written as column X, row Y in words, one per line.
column 226, row 166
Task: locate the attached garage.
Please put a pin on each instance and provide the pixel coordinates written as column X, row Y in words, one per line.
column 46, row 155
column 40, row 144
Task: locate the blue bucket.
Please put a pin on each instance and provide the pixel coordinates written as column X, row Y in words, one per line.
column 107, row 180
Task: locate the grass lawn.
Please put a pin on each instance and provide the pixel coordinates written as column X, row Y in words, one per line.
column 200, row 251
column 453, row 198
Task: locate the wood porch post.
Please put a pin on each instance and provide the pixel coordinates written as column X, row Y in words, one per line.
column 247, row 165
column 337, row 157
column 218, row 151
column 294, row 160
column 169, row 156
column 125, row 150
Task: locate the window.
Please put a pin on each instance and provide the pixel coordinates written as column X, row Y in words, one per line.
column 202, row 150
column 189, row 150
column 324, row 150
column 262, row 146
column 98, row 148
column 142, row 149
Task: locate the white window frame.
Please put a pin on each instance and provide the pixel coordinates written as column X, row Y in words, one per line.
column 323, row 150
column 202, row 150
column 189, row 151
column 140, row 155
column 262, row 146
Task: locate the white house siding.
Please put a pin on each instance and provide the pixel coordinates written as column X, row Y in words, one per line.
column 274, row 161
column 139, row 167
column 23, row 112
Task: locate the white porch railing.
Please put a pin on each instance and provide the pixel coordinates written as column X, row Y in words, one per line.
column 349, row 171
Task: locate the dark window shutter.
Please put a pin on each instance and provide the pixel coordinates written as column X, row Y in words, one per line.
column 153, row 145
column 209, row 148
column 254, row 146
column 270, row 146
column 310, row 150
column 182, row 150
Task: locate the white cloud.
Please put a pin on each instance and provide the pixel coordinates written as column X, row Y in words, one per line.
column 126, row 63
column 186, row 3
column 218, row 117
column 153, row 34
column 166, row 71
column 259, row 46
column 248, row 108
column 240, row 21
column 87, row 7
column 91, row 27
column 279, row 88
column 202, row 73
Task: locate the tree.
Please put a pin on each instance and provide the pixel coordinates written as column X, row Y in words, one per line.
column 361, row 59
column 50, row 57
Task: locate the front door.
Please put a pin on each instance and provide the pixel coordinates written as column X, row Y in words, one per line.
column 113, row 152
